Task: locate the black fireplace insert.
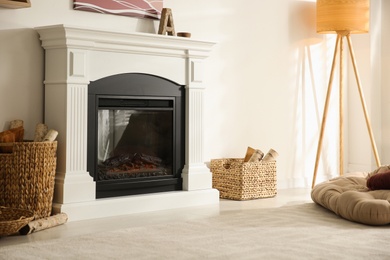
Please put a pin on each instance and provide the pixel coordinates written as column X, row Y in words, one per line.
column 135, row 134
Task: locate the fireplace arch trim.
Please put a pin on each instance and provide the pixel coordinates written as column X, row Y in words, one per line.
column 140, row 83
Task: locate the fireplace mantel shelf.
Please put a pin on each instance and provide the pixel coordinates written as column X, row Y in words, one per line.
column 57, row 36
column 75, row 56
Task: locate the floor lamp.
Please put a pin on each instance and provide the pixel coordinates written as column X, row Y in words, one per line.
column 343, row 18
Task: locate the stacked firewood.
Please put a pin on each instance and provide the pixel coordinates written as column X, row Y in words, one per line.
column 256, row 155
column 15, row 133
column 43, row 134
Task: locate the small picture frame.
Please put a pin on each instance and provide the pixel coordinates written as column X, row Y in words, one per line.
column 135, row 8
column 15, row 3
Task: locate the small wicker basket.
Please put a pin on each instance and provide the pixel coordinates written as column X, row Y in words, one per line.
column 239, row 180
column 27, row 177
column 12, row 220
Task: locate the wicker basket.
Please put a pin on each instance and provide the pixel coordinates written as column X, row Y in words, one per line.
column 239, row 180
column 27, row 177
column 12, row 220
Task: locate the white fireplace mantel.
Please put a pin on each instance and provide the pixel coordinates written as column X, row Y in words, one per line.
column 74, row 56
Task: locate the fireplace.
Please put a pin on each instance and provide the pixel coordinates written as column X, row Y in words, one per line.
column 76, row 58
column 135, row 134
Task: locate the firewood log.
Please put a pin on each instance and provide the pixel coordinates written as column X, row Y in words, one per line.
column 50, row 136
column 15, row 123
column 270, row 156
column 44, row 223
column 19, row 133
column 40, row 132
column 256, row 156
column 16, row 126
column 7, row 137
column 249, row 152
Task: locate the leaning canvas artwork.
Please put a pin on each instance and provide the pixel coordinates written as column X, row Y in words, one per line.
column 135, row 8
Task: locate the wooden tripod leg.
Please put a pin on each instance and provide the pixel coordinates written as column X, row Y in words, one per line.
column 324, row 117
column 341, row 110
column 373, row 145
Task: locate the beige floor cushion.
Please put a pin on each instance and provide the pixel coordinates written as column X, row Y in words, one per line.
column 350, row 198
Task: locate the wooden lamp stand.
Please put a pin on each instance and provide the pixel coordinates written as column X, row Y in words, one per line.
column 339, row 49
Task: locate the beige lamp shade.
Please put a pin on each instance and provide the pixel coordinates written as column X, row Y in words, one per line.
column 343, row 15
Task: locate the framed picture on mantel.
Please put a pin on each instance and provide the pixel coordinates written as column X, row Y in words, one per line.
column 135, row 8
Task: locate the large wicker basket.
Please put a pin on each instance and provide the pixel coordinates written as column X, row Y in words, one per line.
column 239, row 180
column 27, row 177
column 12, row 220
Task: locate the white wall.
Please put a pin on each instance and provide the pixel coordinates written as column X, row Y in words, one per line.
column 385, row 76
column 266, row 78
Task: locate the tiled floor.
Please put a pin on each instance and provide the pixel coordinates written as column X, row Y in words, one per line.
column 75, row 228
